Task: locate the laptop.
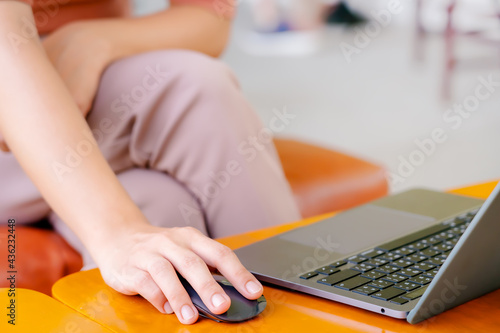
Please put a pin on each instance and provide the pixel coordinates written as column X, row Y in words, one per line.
column 411, row 255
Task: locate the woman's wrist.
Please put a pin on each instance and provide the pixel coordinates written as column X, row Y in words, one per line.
column 170, row 29
column 111, row 226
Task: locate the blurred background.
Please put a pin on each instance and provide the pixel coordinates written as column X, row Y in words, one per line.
column 376, row 78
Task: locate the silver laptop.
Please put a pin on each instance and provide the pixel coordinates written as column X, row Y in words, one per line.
column 412, row 255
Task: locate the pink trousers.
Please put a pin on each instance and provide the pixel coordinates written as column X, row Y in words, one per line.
column 185, row 144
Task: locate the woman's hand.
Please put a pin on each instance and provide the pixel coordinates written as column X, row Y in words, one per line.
column 80, row 53
column 144, row 261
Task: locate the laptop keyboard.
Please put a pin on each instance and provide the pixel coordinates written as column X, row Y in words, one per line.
column 398, row 271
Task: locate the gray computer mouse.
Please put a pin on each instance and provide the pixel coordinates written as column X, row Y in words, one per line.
column 241, row 309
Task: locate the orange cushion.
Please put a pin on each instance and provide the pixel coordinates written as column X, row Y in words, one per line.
column 42, row 258
column 324, row 181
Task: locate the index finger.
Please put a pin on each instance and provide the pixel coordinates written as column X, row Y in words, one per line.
column 225, row 260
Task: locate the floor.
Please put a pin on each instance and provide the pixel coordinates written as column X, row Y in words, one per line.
column 383, row 106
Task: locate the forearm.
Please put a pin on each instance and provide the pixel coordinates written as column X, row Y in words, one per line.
column 39, row 121
column 179, row 27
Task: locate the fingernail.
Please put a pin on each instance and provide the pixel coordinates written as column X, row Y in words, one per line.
column 253, row 287
column 217, row 300
column 186, row 312
column 168, row 308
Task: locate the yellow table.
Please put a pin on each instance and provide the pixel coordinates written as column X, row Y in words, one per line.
column 37, row 312
column 287, row 311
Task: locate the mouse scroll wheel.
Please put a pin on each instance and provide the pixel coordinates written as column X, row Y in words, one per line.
column 225, row 282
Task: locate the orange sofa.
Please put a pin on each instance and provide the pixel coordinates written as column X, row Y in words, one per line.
column 322, row 181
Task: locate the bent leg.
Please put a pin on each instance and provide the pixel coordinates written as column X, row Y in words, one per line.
column 182, row 113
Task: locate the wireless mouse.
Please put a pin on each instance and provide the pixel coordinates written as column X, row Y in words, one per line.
column 241, row 309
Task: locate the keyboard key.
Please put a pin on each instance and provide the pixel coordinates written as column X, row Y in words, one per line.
column 338, row 277
column 418, row 246
column 409, row 272
column 443, row 247
column 399, row 300
column 387, row 269
column 433, row 240
column 416, row 258
column 429, row 253
column 458, row 223
column 446, row 235
column 338, row 263
column 308, row 275
column 363, row 267
column 394, row 278
column 391, row 256
column 401, row 263
column 388, row 293
column 457, row 231
column 356, row 259
column 366, row 290
column 415, row 294
column 377, row 262
column 407, row 285
column 430, row 274
column 372, row 253
column 423, row 267
column 412, row 237
column 381, row 284
column 444, row 255
column 353, row 283
column 405, row 251
column 327, row 270
column 436, row 261
column 374, row 275
column 421, row 279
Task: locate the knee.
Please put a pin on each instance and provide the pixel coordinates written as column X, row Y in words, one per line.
column 210, row 93
column 172, row 78
column 175, row 90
